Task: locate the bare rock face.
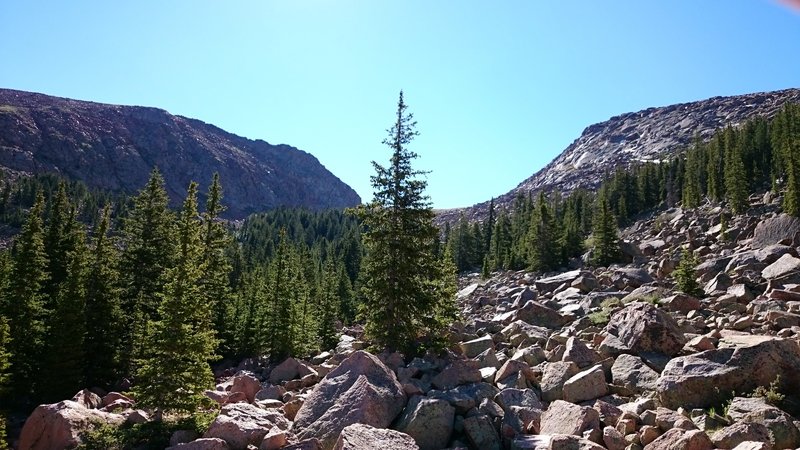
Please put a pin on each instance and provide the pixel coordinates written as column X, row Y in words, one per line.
column 631, row 138
column 698, row 380
column 360, row 390
column 641, row 327
column 115, row 147
column 60, row 425
column 364, row 437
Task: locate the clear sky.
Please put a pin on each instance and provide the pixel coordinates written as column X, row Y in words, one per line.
column 498, row 88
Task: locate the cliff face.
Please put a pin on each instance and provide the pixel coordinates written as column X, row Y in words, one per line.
column 648, row 135
column 115, row 147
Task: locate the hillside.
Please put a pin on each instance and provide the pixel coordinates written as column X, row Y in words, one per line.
column 652, row 134
column 114, row 148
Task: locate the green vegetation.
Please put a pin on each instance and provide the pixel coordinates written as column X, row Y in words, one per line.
column 685, row 276
column 408, row 293
column 152, row 435
column 771, row 394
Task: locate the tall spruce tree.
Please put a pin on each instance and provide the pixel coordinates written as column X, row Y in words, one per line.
column 175, row 369
column 26, row 311
column 103, row 308
column 216, row 266
column 604, row 234
column 736, row 181
column 282, row 278
column 148, row 236
column 65, row 356
column 408, row 292
column 5, row 362
column 543, row 252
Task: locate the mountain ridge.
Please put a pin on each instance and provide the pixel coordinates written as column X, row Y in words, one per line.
column 114, row 147
column 622, row 140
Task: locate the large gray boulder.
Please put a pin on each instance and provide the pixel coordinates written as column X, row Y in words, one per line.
column 428, row 421
column 364, row 437
column 586, row 385
column 537, row 314
column 631, row 373
column 566, row 418
column 776, row 230
column 61, row 425
column 785, row 265
column 243, row 424
column 679, row 439
column 703, row 379
column 554, row 377
column 360, row 390
column 755, row 410
column 641, row 327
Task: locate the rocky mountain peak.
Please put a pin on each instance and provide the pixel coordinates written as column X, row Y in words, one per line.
column 115, row 147
column 649, row 135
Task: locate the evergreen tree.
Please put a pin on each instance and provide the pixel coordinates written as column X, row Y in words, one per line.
column 543, row 252
column 66, row 357
column 407, row 291
column 736, row 181
column 685, row 276
column 791, row 199
column 282, row 276
column 58, row 243
column 216, row 266
column 5, row 358
column 328, row 305
column 26, row 311
column 606, row 242
column 500, row 247
column 175, row 369
column 692, row 191
column 571, row 239
column 103, row 308
column 148, row 237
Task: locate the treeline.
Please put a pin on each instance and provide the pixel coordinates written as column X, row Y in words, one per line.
column 542, row 234
column 95, row 305
column 295, row 275
column 18, row 194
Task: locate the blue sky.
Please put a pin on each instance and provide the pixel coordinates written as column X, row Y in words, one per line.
column 498, row 88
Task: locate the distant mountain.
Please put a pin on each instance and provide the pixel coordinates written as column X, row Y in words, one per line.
column 649, row 135
column 115, row 147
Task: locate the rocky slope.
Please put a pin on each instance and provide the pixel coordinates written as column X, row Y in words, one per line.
column 612, row 357
column 649, row 135
column 115, row 147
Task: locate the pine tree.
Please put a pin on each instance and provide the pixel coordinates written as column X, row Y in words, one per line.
column 58, row 243
column 65, row 357
column 407, row 293
column 148, row 237
column 791, row 200
column 26, row 311
column 175, row 370
column 328, row 307
column 685, row 276
column 543, row 252
column 282, row 276
column 216, row 267
column 5, row 358
column 736, row 181
column 103, row 308
column 606, row 242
